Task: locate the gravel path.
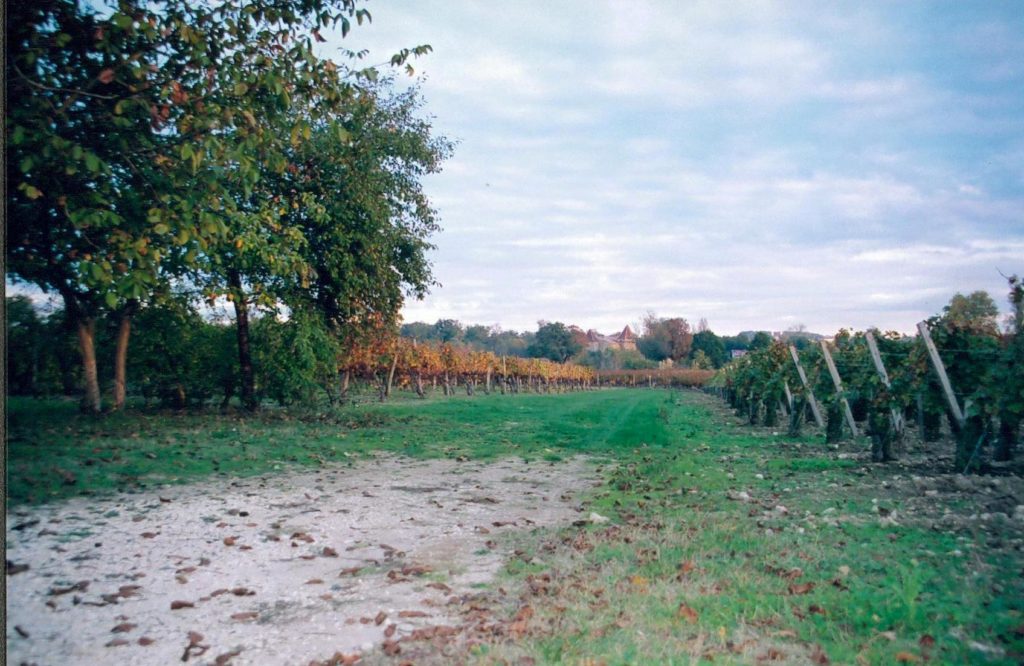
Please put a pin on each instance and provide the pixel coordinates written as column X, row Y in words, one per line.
column 282, row 569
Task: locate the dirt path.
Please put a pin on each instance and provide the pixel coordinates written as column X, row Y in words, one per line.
column 279, row 569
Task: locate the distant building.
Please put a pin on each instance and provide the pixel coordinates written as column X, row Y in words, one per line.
column 624, row 339
column 736, row 353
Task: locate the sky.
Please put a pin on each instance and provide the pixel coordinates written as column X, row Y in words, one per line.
column 761, row 165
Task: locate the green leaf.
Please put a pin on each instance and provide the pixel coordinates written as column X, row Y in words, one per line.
column 31, row 191
column 241, row 89
column 161, row 228
column 122, row 21
column 111, row 299
column 92, row 163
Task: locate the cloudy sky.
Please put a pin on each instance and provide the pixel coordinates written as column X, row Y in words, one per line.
column 759, row 164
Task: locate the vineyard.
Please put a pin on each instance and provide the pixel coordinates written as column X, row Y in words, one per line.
column 958, row 369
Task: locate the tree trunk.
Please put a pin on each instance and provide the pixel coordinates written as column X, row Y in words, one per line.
column 883, row 436
column 834, row 422
column 969, row 440
column 346, row 375
column 796, row 416
column 248, row 377
column 87, row 347
column 771, row 412
column 124, row 331
column 419, row 386
column 1009, row 425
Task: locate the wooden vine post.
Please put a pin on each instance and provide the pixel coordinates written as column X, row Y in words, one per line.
column 940, row 370
column 839, row 388
column 897, row 418
column 789, row 395
column 807, row 387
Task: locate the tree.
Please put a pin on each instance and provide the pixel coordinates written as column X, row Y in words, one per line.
column 711, row 345
column 25, row 346
column 554, row 341
column 761, row 340
column 132, row 125
column 665, row 338
column 448, row 330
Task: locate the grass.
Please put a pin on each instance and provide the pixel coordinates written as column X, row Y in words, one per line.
column 804, row 568
column 54, row 452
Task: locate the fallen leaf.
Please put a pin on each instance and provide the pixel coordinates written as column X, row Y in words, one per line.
column 687, row 614
column 13, row 568
column 315, row 581
column 351, row 571
column 123, row 628
column 242, row 592
column 390, row 630
column 379, row 620
column 21, row 632
column 118, row 642
column 146, row 640
column 907, row 658
column 178, row 605
column 243, row 617
column 225, row 658
column 927, row 641
column 230, row 541
column 390, row 648
column 329, row 552
column 800, row 588
column 149, row 535
column 411, row 613
column 80, row 586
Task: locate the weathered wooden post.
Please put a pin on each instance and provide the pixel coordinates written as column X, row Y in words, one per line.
column 839, row 388
column 807, row 387
column 897, row 418
column 940, row 370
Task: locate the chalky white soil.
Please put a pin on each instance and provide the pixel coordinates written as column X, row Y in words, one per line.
column 281, row 569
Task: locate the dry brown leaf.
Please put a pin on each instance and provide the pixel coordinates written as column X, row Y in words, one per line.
column 687, row 613
column 149, row 535
column 315, row 581
column 379, row 620
column 178, row 605
column 128, row 590
column 146, row 640
column 390, row 648
column 118, row 642
column 329, row 552
column 247, row 615
column 223, row 659
column 411, row 613
column 907, row 658
column 800, row 588
column 242, row 592
column 124, row 627
column 390, row 630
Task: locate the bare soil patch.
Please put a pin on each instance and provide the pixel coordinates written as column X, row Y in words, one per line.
column 280, row 569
